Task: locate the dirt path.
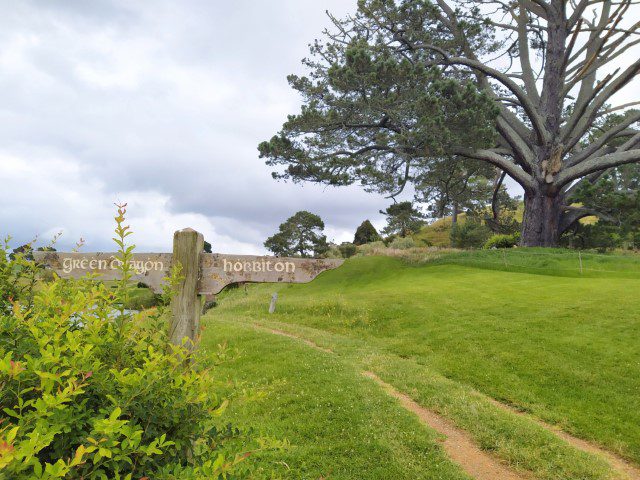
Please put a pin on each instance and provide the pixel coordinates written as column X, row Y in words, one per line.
column 458, row 444
column 617, row 463
column 282, row 333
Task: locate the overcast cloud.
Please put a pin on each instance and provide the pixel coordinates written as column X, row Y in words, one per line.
column 159, row 104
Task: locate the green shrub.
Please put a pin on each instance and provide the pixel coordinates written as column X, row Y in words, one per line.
column 402, row 243
column 88, row 391
column 502, row 241
column 347, row 249
column 142, row 299
column 372, row 248
column 332, row 252
column 471, row 234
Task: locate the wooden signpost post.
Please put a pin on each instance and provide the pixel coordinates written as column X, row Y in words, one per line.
column 202, row 274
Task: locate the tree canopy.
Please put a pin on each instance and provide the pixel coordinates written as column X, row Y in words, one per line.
column 403, row 219
column 365, row 233
column 300, row 235
column 402, row 87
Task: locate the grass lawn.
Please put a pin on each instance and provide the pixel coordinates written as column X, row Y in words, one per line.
column 563, row 348
column 339, row 424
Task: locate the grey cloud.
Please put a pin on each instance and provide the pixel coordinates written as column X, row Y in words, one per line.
column 166, row 102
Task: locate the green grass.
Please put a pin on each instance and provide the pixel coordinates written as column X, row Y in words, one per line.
column 339, row 424
column 546, row 261
column 561, row 347
column 438, row 233
column 141, row 299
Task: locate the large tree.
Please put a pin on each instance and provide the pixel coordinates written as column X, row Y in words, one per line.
column 403, row 219
column 300, row 235
column 366, row 233
column 518, row 84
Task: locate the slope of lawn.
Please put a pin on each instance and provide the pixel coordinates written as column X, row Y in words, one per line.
column 339, row 425
column 563, row 348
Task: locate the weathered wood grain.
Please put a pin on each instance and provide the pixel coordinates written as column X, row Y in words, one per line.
column 186, row 305
column 220, row 270
column 149, row 268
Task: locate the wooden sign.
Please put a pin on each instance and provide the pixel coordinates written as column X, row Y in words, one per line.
column 203, row 274
column 216, row 270
column 149, row 268
column 219, row 270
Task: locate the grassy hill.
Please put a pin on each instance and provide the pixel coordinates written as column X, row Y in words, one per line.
column 457, row 335
column 438, row 233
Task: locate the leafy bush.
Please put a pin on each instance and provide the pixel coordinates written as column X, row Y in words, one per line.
column 347, row 249
column 372, row 248
column 142, row 298
column 88, row 391
column 471, row 234
column 333, row 251
column 400, row 243
column 600, row 236
column 502, row 241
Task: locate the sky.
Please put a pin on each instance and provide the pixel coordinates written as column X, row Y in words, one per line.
column 160, row 105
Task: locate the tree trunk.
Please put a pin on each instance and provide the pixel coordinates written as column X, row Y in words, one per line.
column 541, row 219
column 454, row 215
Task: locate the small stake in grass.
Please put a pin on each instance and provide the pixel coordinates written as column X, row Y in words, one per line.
column 504, row 257
column 272, row 306
column 580, row 257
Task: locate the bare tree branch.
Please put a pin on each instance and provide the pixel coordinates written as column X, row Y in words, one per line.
column 586, row 112
column 602, row 140
column 523, row 48
column 595, row 164
column 516, row 172
column 574, row 213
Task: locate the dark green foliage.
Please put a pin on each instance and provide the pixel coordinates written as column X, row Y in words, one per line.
column 142, row 299
column 452, row 186
column 300, row 235
column 18, row 276
column 366, row 233
column 373, row 116
column 207, row 247
column 601, row 237
column 347, row 249
column 616, row 199
column 470, row 234
column 25, row 251
column 403, row 219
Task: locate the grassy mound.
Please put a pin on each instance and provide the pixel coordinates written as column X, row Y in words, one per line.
column 554, row 343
